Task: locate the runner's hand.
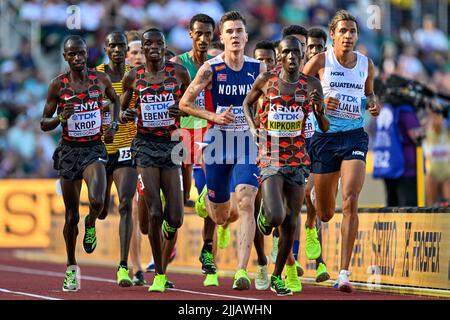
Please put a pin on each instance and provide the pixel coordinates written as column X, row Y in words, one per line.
column 225, row 117
column 109, row 135
column 331, row 103
column 373, row 107
column 129, row 115
column 316, row 100
column 256, row 135
column 69, row 109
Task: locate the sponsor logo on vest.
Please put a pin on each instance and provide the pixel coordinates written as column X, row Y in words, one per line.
column 234, row 90
column 346, row 85
column 358, row 153
column 337, row 74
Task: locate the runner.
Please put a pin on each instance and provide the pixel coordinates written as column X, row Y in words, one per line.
column 158, row 85
column 119, row 168
column 315, row 44
column 227, row 79
column 76, row 96
column 347, row 80
column 282, row 148
column 201, row 31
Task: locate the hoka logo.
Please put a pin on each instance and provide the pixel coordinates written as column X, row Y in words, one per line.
column 337, row 74
column 358, row 153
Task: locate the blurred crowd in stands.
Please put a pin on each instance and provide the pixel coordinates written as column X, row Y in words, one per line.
column 421, row 53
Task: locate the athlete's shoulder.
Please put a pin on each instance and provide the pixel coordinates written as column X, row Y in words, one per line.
column 251, row 60
column 215, row 61
column 101, row 67
column 179, row 68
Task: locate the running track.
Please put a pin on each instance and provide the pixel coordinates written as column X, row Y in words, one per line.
column 29, row 280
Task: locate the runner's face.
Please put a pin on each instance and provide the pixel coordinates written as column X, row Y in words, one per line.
column 290, row 55
column 345, row 35
column 154, row 46
column 201, row 35
column 135, row 56
column 302, row 40
column 314, row 46
column 75, row 53
column 116, row 47
column 266, row 55
column 233, row 35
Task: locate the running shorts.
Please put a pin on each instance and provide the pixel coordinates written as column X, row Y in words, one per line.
column 293, row 175
column 146, row 152
column 120, row 159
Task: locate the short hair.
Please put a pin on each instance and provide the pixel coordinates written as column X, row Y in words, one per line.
column 203, row 18
column 231, row 16
column 133, row 35
column 290, row 38
column 153, row 29
column 121, row 33
column 276, row 43
column 342, row 15
column 73, row 37
column 295, row 29
column 265, row 45
column 317, row 33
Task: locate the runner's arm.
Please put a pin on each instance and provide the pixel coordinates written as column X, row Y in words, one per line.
column 315, row 65
column 315, row 94
column 127, row 114
column 372, row 102
column 48, row 122
column 252, row 98
column 112, row 96
column 185, row 79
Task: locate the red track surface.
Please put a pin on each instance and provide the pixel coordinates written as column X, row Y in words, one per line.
column 20, row 280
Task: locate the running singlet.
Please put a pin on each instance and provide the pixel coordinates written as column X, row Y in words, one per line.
column 153, row 102
column 346, row 85
column 126, row 132
column 282, row 119
column 192, row 122
column 86, row 123
column 230, row 87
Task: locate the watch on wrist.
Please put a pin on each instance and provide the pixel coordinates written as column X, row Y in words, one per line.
column 114, row 126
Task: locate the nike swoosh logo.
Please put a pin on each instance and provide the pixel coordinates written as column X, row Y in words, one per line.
column 67, row 99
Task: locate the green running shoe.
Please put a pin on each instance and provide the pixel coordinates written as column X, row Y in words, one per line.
column 123, row 279
column 312, row 246
column 71, row 283
column 241, row 280
column 223, row 237
column 300, row 270
column 211, row 280
column 200, row 205
column 168, row 231
column 292, row 279
column 159, row 283
column 262, row 224
column 89, row 240
column 322, row 273
column 277, row 285
column 207, row 260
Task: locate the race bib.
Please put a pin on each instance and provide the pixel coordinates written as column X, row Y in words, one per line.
column 309, row 126
column 239, row 124
column 200, row 100
column 156, row 114
column 84, row 124
column 440, row 152
column 285, row 121
column 106, row 117
column 124, row 154
column 350, row 106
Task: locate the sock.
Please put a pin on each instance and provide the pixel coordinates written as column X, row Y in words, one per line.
column 208, row 245
column 123, row 264
column 295, row 247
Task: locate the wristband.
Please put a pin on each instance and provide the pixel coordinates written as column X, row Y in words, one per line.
column 114, row 126
column 61, row 118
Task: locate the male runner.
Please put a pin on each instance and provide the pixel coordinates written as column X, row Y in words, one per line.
column 347, row 81
column 201, row 31
column 282, row 153
column 76, row 96
column 158, row 85
column 119, row 168
column 227, row 79
column 315, row 44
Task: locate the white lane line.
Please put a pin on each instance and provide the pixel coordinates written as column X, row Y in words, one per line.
column 28, row 294
column 60, row 274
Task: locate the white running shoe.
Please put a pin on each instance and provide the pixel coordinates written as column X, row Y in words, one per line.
column 342, row 282
column 262, row 281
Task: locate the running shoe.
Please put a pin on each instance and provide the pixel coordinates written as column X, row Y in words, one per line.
column 274, row 252
column 168, row 231
column 322, row 273
column 159, row 283
column 312, row 246
column 262, row 281
column 211, row 280
column 277, row 285
column 89, row 240
column 223, row 237
column 292, row 280
column 207, row 260
column 138, row 279
column 241, row 280
column 262, row 224
column 300, row 270
column 71, row 280
column 169, row 284
column 200, row 205
column 342, row 282
column 151, row 266
column 123, row 279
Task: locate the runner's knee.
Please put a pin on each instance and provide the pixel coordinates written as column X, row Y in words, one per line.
column 125, row 206
column 72, row 218
column 325, row 215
